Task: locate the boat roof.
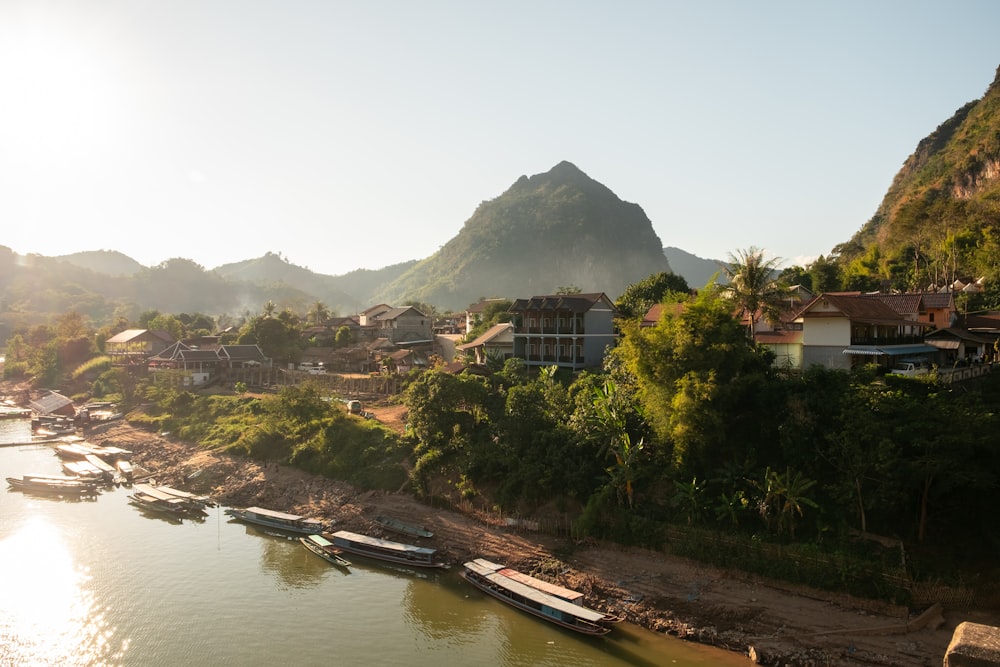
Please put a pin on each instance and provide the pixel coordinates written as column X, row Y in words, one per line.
column 534, row 594
column 544, row 586
column 274, row 514
column 383, row 544
column 57, row 478
column 180, row 493
column 152, row 491
column 320, row 540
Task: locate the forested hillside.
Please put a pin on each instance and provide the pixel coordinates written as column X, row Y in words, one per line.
column 940, row 219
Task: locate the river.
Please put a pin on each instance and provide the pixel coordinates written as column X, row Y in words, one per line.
column 99, row 582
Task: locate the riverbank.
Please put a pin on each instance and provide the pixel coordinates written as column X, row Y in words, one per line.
column 776, row 623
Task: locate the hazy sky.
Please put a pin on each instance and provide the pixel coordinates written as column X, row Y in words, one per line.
column 348, row 135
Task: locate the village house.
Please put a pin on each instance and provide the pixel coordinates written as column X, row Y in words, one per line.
column 566, row 330
column 404, row 326
column 497, row 342
column 474, row 313
column 133, row 347
column 847, row 329
column 198, row 366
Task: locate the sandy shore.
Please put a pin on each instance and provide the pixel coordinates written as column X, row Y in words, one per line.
column 773, row 622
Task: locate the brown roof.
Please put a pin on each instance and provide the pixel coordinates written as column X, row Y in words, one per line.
column 131, row 334
column 481, row 306
column 903, row 304
column 855, row 307
column 776, row 337
column 487, row 336
column 573, row 302
column 242, row 353
column 938, row 300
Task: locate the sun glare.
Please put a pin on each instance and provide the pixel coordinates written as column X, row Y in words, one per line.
column 47, row 615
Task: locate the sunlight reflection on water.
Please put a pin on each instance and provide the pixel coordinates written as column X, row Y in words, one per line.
column 47, row 614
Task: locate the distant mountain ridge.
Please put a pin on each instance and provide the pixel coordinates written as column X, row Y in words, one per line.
column 559, row 229
column 695, row 270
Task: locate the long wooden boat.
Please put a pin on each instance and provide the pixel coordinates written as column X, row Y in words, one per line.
column 535, row 602
column 325, row 549
column 196, row 498
column 280, row 520
column 555, row 590
column 52, row 484
column 173, row 507
column 185, row 504
column 81, row 450
column 387, row 550
column 402, row 527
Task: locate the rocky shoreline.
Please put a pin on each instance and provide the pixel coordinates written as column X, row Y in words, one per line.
column 771, row 623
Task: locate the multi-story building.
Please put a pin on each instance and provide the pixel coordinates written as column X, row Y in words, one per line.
column 567, row 330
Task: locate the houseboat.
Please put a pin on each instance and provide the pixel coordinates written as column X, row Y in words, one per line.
column 387, row 550
column 533, row 601
column 280, row 520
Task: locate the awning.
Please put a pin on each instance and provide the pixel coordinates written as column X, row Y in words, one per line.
column 870, row 350
column 945, row 344
column 890, row 350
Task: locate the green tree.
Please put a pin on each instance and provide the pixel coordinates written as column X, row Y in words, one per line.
column 611, row 415
column 639, row 297
column 703, row 385
column 344, row 336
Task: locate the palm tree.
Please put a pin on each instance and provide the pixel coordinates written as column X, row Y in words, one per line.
column 269, row 308
column 752, row 283
column 319, row 313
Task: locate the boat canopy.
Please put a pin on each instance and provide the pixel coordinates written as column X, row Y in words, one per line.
column 386, row 545
column 576, row 597
column 535, row 595
column 319, row 540
column 283, row 516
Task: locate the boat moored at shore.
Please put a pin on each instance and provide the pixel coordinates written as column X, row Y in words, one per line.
column 53, row 484
column 387, row 550
column 402, row 527
column 533, row 601
column 555, row 590
column 275, row 519
column 325, row 549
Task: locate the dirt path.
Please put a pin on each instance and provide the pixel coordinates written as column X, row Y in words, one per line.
column 778, row 624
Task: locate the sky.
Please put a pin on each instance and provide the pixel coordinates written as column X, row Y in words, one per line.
column 347, row 135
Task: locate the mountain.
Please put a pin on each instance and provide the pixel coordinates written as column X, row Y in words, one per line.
column 550, row 231
column 110, row 262
column 940, row 218
column 272, row 271
column 695, row 270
